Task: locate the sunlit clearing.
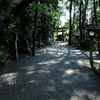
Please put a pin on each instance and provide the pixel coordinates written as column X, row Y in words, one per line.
column 69, row 72
column 9, row 78
column 30, row 72
column 65, row 13
column 48, row 62
column 59, row 33
column 80, row 62
column 60, row 53
column 67, row 63
column 63, row 20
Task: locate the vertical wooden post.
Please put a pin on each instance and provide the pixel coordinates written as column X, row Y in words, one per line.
column 91, row 50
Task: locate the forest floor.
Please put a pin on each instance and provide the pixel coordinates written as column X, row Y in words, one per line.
column 57, row 72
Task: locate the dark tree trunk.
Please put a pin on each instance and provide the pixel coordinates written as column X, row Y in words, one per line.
column 95, row 14
column 84, row 14
column 74, row 17
column 80, row 25
column 20, row 7
column 52, row 37
column 84, row 17
column 70, row 28
column 99, row 3
column 35, row 29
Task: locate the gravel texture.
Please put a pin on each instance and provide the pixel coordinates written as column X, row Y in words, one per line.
column 57, row 72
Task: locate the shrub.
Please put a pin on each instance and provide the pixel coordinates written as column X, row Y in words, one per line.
column 85, row 44
column 4, row 55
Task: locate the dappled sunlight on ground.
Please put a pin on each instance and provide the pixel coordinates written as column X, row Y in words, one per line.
column 69, row 72
column 9, row 78
column 57, row 72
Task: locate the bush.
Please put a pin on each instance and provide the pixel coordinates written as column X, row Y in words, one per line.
column 95, row 44
column 4, row 55
column 85, row 44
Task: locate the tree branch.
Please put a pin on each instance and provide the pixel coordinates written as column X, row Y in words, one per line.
column 20, row 7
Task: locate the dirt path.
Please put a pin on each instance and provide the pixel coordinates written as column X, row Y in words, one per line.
column 57, row 72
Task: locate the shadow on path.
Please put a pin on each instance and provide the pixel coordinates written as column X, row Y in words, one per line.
column 57, row 72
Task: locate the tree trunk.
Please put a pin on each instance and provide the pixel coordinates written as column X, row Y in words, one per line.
column 95, row 14
column 52, row 37
column 70, row 28
column 84, row 17
column 80, row 25
column 73, row 17
column 99, row 3
column 20, row 7
column 84, row 14
column 96, row 22
column 35, row 29
column 82, row 20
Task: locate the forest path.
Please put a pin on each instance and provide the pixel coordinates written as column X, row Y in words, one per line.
column 57, row 72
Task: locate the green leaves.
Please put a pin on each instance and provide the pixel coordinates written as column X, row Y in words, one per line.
column 22, row 20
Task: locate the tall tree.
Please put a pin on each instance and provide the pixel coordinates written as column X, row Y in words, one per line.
column 70, row 22
column 35, row 29
column 96, row 22
column 82, row 16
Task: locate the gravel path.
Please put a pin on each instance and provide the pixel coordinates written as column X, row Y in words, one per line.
column 57, row 72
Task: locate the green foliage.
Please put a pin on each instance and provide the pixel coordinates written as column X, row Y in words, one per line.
column 95, row 42
column 49, row 14
column 96, row 67
column 23, row 24
column 4, row 55
column 7, row 28
column 84, row 45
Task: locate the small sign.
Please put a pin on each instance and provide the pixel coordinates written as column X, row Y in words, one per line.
column 91, row 27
